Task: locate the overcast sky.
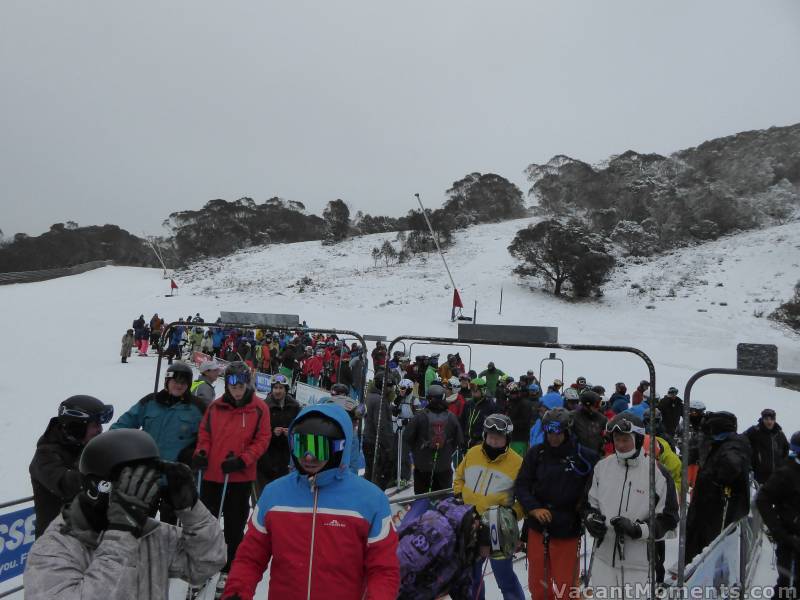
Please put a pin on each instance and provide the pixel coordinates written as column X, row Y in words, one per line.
column 122, row 112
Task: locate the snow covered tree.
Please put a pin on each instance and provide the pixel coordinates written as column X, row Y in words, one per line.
column 388, row 252
column 788, row 313
column 560, row 254
column 634, row 239
column 337, row 221
column 483, row 198
column 376, row 255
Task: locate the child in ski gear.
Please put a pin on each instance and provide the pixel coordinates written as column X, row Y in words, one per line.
column 769, row 444
column 432, row 436
column 551, row 486
column 485, row 478
column 54, row 469
column 171, row 417
column 619, row 509
column 233, row 435
column 326, row 532
column 103, row 545
column 127, row 345
column 778, row 502
column 722, row 491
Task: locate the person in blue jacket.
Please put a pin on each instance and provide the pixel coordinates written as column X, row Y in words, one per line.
column 549, row 401
column 171, row 417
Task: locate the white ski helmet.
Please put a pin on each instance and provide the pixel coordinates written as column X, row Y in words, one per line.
column 696, row 405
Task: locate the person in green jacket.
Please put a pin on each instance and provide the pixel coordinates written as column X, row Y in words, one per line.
column 492, row 375
column 432, row 372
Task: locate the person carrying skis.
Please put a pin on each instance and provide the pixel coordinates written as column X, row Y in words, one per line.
column 103, row 545
column 778, row 502
column 54, row 469
column 722, row 491
column 769, row 444
column 619, row 510
column 322, row 531
column 283, row 408
column 477, row 408
column 235, row 432
column 172, row 417
column 484, row 479
column 551, row 487
column 432, row 436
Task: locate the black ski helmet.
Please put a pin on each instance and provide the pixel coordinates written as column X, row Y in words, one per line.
column 105, row 455
column 435, row 392
column 317, row 423
column 794, row 443
column 339, row 389
column 83, row 409
column 180, row 371
column 590, row 398
column 627, row 422
column 720, row 422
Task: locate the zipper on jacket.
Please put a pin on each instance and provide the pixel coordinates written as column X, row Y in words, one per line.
column 311, row 553
column 622, row 493
column 628, row 502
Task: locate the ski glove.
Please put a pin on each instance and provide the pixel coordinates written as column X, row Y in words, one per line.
column 181, row 490
column 596, row 524
column 624, row 526
column 132, row 497
column 200, row 461
column 232, row 465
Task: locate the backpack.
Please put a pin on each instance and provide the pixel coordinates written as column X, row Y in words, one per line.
column 436, row 550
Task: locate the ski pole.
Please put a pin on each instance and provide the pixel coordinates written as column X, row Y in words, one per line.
column 587, row 574
column 727, row 493
column 480, row 583
column 621, row 545
column 546, row 544
column 433, row 469
column 199, row 480
column 399, row 453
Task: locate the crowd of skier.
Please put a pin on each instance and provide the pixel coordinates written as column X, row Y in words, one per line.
column 566, row 461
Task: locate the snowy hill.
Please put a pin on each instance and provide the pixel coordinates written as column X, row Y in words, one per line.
column 62, row 336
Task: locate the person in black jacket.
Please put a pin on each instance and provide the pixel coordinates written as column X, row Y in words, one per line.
column 769, row 444
column 283, row 408
column 588, row 423
column 551, row 486
column 477, row 408
column 778, row 501
column 54, row 469
column 722, row 491
column 671, row 407
column 520, row 410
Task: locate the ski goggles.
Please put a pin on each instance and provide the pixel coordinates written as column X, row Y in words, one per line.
column 280, row 379
column 497, row 424
column 554, row 427
column 320, row 447
column 76, row 413
column 179, row 378
column 624, row 426
column 237, row 378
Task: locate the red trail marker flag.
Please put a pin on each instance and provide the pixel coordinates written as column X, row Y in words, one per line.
column 456, row 304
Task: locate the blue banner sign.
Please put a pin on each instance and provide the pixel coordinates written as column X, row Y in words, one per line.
column 263, row 383
column 17, row 533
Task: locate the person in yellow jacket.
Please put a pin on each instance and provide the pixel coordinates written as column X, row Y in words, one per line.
column 485, row 478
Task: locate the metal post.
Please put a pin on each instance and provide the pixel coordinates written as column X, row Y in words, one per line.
column 475, row 314
column 435, row 241
column 501, row 301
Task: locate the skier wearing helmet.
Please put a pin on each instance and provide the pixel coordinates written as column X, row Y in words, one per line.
column 235, row 432
column 283, row 408
column 485, row 479
column 322, row 531
column 455, row 401
column 477, row 408
column 619, row 510
column 432, row 436
column 104, row 545
column 54, row 469
column 551, row 487
column 172, row 417
column 698, row 447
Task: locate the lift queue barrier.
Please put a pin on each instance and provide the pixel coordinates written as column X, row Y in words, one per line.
column 17, row 534
column 554, row 346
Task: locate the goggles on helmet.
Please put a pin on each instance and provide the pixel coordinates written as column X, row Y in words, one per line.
column 76, row 413
column 179, row 377
column 318, row 446
column 624, row 426
column 280, row 379
column 554, row 427
column 238, row 378
column 497, row 424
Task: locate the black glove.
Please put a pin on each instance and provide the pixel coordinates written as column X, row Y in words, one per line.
column 596, row 524
column 132, row 497
column 181, row 490
column 234, row 597
column 624, row 526
column 200, row 461
column 232, row 465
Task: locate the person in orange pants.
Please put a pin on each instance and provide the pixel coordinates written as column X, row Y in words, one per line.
column 551, row 486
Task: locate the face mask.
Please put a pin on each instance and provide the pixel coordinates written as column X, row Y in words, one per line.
column 626, row 455
column 493, row 453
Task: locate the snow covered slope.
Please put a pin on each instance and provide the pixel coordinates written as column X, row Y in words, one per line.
column 62, row 337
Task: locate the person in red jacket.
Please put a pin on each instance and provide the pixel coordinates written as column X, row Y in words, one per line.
column 638, row 393
column 323, row 531
column 313, row 367
column 234, row 433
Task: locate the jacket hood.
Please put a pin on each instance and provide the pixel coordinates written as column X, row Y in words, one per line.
column 338, row 414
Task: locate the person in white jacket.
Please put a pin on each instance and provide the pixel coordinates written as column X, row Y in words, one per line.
column 619, row 511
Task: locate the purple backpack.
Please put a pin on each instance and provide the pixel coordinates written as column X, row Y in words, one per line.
column 436, row 550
